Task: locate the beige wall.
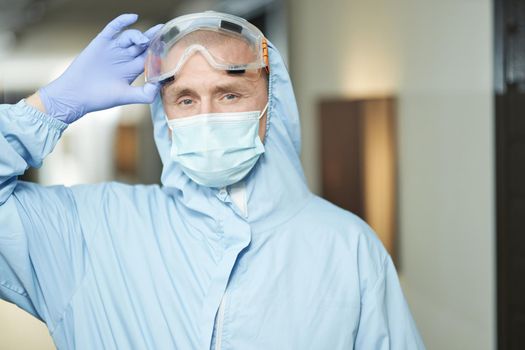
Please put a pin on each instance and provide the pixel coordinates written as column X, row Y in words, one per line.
column 436, row 57
column 21, row 331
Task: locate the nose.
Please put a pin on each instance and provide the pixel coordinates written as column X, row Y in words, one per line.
column 206, row 106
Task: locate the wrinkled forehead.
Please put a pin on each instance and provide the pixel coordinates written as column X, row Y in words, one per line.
column 227, row 49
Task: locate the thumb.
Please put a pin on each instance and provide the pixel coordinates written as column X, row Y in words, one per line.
column 143, row 94
column 131, row 37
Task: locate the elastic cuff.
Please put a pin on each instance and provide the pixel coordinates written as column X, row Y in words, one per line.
column 46, row 119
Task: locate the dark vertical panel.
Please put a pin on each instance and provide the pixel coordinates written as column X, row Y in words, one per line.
column 509, row 73
column 501, row 242
column 510, row 177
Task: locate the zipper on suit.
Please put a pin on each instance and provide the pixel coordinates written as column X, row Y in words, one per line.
column 220, row 323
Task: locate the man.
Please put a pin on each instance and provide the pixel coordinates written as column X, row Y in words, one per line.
column 232, row 252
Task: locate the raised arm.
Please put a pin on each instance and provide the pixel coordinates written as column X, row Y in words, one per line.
column 42, row 243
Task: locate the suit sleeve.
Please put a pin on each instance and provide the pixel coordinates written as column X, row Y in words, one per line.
column 385, row 321
column 42, row 249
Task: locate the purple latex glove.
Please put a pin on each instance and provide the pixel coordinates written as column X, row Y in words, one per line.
column 100, row 77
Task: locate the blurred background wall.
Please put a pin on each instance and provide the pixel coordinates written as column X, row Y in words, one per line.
column 435, row 57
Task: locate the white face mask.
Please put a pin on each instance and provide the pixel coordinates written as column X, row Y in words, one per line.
column 217, row 149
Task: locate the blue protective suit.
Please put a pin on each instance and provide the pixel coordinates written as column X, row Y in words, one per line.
column 114, row 266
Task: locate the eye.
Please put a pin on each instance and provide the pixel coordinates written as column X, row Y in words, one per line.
column 230, row 97
column 185, row 102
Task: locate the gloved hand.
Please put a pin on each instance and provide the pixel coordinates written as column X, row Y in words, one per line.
column 100, row 77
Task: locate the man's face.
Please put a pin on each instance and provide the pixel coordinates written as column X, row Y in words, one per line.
column 199, row 88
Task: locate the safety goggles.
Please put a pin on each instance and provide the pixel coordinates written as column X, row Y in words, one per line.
column 206, row 33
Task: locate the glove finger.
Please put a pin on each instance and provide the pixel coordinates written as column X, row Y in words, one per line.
column 131, row 37
column 137, row 65
column 150, row 33
column 136, row 50
column 115, row 26
column 142, row 94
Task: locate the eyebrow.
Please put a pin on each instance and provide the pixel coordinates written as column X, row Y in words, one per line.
column 177, row 92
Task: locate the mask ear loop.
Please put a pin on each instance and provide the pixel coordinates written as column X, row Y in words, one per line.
column 264, row 110
column 168, row 122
